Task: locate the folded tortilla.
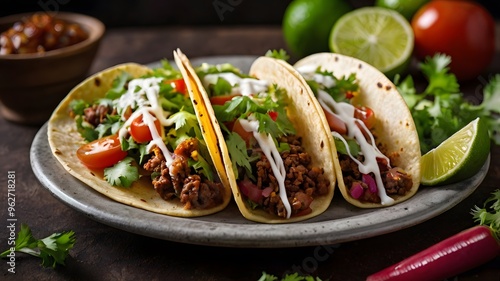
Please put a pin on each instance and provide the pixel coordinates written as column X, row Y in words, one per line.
column 394, row 128
column 64, row 140
column 303, row 112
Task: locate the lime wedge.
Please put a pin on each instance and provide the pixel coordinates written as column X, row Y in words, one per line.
column 458, row 157
column 378, row 36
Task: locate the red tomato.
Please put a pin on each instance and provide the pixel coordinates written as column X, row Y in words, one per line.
column 140, row 131
column 178, row 84
column 366, row 115
column 461, row 29
column 246, row 136
column 335, row 123
column 273, row 115
column 221, row 100
column 101, row 153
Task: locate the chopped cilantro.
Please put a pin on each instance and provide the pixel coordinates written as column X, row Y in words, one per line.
column 78, row 106
column 123, row 173
column 118, row 86
column 278, row 54
column 237, row 148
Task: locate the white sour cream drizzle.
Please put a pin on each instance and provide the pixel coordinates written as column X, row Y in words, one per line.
column 243, row 86
column 144, row 94
column 248, row 87
column 345, row 112
column 269, row 149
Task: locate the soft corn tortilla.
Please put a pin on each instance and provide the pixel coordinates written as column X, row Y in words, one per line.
column 395, row 128
column 303, row 112
column 65, row 140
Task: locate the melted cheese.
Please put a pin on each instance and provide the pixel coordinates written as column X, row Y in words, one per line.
column 270, row 150
column 143, row 94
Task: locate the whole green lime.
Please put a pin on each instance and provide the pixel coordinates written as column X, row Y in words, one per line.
column 405, row 7
column 307, row 24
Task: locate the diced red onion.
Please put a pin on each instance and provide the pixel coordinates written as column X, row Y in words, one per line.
column 356, row 190
column 267, row 191
column 372, row 186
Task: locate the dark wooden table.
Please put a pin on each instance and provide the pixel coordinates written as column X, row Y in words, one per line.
column 105, row 253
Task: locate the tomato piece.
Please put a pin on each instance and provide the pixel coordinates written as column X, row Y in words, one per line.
column 464, row 30
column 273, row 115
column 246, row 136
column 335, row 123
column 101, row 153
column 140, row 132
column 178, row 84
column 366, row 115
column 221, row 100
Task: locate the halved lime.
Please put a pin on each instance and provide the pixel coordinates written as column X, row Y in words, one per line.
column 458, row 157
column 378, row 36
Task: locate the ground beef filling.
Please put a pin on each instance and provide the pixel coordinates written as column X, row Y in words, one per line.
column 396, row 181
column 302, row 183
column 178, row 181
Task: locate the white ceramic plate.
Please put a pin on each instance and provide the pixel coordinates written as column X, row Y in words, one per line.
column 340, row 223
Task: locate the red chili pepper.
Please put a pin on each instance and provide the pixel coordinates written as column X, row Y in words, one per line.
column 459, row 253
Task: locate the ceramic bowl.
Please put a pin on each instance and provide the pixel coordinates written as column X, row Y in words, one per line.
column 32, row 85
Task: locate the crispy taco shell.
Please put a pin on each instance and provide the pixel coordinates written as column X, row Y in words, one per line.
column 65, row 140
column 395, row 128
column 302, row 111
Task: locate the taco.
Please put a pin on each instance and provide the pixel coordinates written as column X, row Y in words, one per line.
column 377, row 150
column 278, row 158
column 132, row 134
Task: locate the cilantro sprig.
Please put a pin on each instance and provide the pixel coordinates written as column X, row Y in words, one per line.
column 123, row 173
column 53, row 249
column 441, row 109
column 489, row 213
column 288, row 277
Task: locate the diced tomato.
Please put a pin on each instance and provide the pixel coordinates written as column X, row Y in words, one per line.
column 273, row 115
column 140, row 132
column 246, row 136
column 101, row 153
column 250, row 190
column 335, row 123
column 221, row 100
column 178, row 84
column 366, row 115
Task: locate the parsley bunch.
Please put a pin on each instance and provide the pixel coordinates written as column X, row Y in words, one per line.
column 53, row 249
column 441, row 109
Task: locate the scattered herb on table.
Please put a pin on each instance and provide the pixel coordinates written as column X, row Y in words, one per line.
column 52, row 250
column 289, row 277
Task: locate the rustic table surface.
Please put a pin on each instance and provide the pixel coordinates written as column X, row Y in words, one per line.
column 105, row 253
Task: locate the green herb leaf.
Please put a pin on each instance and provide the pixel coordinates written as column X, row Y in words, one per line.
column 53, row 249
column 288, row 277
column 280, row 54
column 489, row 214
column 118, row 86
column 237, row 149
column 122, row 173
